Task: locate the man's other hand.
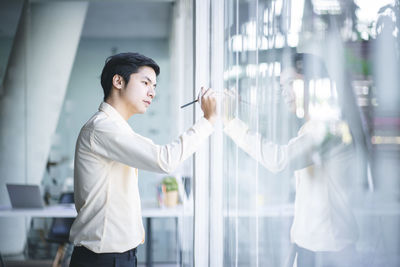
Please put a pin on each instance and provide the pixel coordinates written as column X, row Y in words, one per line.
column 209, row 104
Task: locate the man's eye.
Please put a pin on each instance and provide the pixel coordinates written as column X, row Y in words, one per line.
column 146, row 83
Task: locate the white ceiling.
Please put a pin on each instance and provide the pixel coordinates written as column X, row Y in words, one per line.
column 128, row 19
column 107, row 19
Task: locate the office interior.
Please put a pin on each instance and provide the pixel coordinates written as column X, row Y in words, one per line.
column 232, row 210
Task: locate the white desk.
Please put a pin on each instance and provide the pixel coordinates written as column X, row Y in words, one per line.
column 54, row 211
column 68, row 211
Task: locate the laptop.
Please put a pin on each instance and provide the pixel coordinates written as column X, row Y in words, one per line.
column 25, row 196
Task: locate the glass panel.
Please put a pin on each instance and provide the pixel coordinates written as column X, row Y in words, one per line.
column 312, row 133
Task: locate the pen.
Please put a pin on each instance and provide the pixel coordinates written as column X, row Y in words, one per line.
column 197, row 100
column 194, row 101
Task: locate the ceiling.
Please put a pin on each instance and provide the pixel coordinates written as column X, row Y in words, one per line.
column 107, row 19
column 134, row 19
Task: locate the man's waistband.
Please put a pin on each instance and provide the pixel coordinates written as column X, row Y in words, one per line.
column 86, row 251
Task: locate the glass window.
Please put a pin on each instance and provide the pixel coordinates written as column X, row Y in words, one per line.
column 312, row 138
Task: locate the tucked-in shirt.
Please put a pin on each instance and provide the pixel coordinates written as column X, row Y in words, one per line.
column 107, row 158
column 323, row 217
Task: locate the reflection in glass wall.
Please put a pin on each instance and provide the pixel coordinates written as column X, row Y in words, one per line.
column 312, row 133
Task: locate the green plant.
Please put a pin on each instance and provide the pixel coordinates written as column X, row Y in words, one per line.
column 170, row 183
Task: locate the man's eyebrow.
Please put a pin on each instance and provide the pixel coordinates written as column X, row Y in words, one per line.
column 148, row 79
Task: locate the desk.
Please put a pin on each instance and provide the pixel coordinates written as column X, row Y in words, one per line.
column 54, row 211
column 68, row 211
column 149, row 212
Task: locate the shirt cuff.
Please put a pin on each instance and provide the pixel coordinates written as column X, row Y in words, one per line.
column 237, row 130
column 203, row 127
column 317, row 130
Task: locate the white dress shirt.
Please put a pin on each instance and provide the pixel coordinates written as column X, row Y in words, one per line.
column 107, row 158
column 323, row 218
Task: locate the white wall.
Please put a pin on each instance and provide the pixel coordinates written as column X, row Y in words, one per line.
column 36, row 79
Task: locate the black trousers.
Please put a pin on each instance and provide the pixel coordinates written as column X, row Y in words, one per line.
column 83, row 257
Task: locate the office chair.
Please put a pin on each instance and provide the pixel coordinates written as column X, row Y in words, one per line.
column 59, row 231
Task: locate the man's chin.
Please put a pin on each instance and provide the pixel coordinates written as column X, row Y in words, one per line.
column 143, row 111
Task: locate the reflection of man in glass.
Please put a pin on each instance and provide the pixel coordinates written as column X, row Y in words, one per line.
column 324, row 229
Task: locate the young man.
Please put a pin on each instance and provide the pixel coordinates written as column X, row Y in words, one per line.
column 324, row 230
column 108, row 227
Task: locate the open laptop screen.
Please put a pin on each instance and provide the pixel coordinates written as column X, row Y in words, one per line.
column 25, row 196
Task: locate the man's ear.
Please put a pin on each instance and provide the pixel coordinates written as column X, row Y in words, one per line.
column 118, row 81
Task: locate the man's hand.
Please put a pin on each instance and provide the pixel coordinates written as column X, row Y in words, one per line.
column 209, row 104
column 228, row 105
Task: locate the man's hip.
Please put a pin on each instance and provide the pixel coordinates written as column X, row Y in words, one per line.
column 83, row 257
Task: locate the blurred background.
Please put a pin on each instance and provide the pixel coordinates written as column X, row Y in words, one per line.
column 232, row 210
column 52, row 55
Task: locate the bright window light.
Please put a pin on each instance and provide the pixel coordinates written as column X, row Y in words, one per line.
column 293, row 39
column 251, row 70
column 253, row 94
column 296, row 15
column 237, row 43
column 251, row 28
column 367, row 14
column 278, row 7
column 324, row 89
column 279, row 40
column 263, row 67
column 263, row 43
column 277, row 68
column 326, row 6
column 369, row 9
column 385, row 140
column 235, row 71
column 250, row 43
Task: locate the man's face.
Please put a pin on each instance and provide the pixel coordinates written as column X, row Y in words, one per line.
column 140, row 90
column 287, row 77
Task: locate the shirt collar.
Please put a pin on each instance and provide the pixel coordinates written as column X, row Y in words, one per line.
column 113, row 113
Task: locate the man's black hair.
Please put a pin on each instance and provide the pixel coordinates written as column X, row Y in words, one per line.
column 308, row 65
column 124, row 64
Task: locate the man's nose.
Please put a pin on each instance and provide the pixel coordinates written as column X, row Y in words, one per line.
column 152, row 93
